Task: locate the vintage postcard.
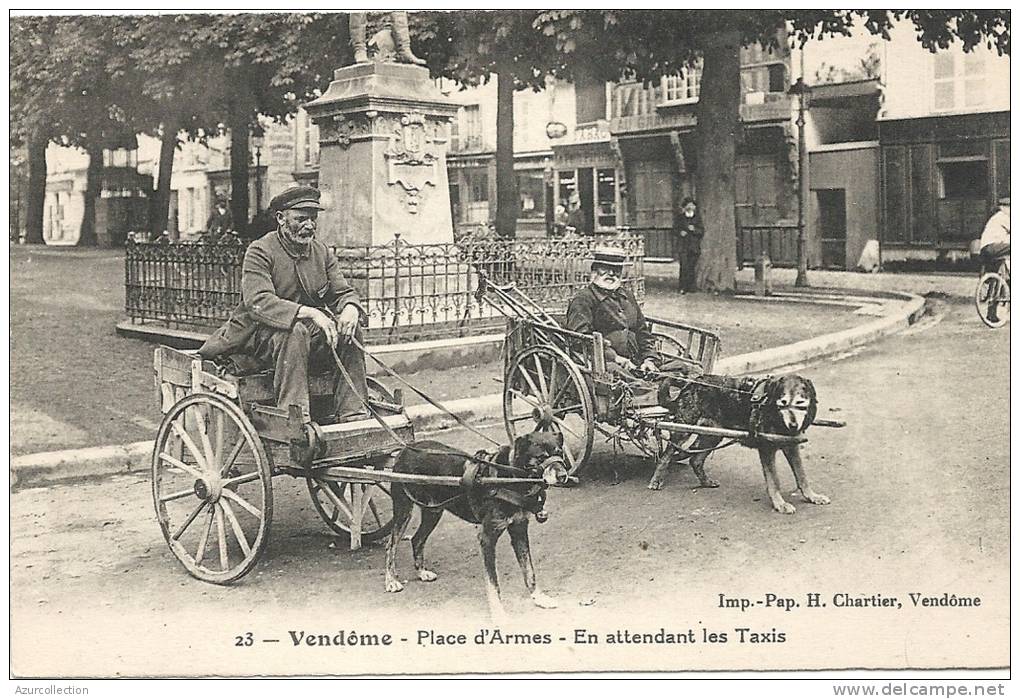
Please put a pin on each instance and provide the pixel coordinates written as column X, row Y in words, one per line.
column 510, row 341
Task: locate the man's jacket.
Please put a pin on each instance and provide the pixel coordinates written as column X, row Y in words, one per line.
column 615, row 314
column 275, row 283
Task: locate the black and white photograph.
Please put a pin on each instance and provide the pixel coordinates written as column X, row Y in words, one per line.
column 511, row 343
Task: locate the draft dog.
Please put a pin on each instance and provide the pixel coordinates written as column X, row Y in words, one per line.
column 784, row 405
column 495, row 509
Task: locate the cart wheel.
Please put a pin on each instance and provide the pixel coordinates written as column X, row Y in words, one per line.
column 335, row 503
column 992, row 293
column 211, row 485
column 544, row 390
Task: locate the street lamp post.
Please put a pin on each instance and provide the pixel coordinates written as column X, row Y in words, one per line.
column 800, row 90
column 258, row 139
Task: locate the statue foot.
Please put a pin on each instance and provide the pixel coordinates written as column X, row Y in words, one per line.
column 408, row 57
column 361, row 56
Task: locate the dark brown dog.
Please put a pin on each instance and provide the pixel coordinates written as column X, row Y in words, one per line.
column 506, row 508
column 784, row 405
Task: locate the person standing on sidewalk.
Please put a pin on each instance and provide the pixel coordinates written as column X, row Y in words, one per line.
column 295, row 306
column 687, row 243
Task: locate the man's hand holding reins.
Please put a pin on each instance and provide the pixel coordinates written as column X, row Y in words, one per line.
column 323, row 321
column 347, row 322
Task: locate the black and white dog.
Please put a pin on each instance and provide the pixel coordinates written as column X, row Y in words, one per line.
column 538, row 455
column 783, row 405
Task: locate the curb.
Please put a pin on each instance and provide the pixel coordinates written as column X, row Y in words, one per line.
column 49, row 467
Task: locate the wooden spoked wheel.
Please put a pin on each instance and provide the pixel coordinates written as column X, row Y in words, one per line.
column 992, row 299
column 337, row 502
column 211, row 485
column 544, row 390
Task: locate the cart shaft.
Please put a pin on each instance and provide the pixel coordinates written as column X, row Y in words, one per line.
column 361, row 475
column 725, row 432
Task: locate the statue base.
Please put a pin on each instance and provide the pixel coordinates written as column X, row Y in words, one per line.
column 382, row 156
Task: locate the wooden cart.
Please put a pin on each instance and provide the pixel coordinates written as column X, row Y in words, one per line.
column 221, row 442
column 559, row 380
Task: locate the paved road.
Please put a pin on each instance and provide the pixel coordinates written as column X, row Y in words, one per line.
column 919, row 482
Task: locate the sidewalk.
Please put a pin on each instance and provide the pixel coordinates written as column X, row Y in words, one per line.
column 959, row 287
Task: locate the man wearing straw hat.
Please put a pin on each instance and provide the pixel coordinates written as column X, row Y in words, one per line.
column 607, row 307
column 295, row 305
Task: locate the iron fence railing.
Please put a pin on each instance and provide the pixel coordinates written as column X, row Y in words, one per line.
column 410, row 291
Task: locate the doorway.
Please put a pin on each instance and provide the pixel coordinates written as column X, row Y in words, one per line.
column 832, row 226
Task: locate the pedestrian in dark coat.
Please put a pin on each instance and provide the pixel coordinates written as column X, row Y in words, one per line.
column 687, row 243
column 295, row 305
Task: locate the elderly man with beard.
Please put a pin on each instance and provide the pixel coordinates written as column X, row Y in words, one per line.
column 607, row 307
column 295, row 305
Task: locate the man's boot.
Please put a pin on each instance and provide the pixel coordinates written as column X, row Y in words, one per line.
column 402, row 39
column 358, row 26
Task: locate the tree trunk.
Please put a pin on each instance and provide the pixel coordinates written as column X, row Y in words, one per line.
column 241, row 113
column 160, row 213
column 506, row 183
column 93, row 186
column 715, row 154
column 36, row 198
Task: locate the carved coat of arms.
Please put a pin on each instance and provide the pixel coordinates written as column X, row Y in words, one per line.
column 409, row 160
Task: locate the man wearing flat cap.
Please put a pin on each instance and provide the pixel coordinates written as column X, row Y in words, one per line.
column 607, row 307
column 295, row 305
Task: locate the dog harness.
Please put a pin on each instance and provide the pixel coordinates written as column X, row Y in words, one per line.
column 482, row 464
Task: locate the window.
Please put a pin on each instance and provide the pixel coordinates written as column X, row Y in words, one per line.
column 477, row 184
column 777, row 77
column 455, row 134
column 472, row 116
column 531, row 194
column 568, row 185
column 682, row 88
column 958, row 81
column 311, row 141
column 605, row 198
column 963, row 180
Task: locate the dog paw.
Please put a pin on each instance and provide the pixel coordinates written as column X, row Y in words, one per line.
column 817, row 498
column 393, row 586
column 784, row 508
column 427, row 575
column 655, row 485
column 543, row 600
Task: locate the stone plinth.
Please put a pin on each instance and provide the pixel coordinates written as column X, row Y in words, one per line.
column 382, row 160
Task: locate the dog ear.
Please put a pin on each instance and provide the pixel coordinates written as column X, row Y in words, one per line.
column 813, row 405
column 520, row 449
column 668, row 392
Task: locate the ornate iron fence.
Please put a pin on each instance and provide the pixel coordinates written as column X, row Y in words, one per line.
column 410, row 291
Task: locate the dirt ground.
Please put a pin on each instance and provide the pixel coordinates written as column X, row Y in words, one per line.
column 76, row 383
column 919, row 481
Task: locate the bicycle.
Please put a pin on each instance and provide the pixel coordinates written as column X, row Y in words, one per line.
column 991, row 297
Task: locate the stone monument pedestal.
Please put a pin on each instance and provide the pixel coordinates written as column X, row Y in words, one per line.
column 382, row 159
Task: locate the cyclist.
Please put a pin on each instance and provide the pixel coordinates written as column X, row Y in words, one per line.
column 995, row 246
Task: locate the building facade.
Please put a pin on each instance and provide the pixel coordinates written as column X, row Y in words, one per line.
column 944, row 133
